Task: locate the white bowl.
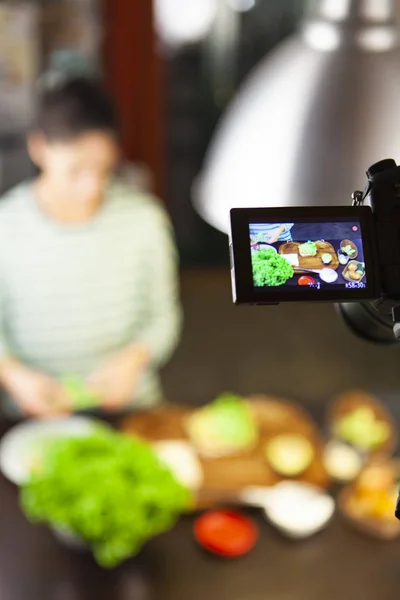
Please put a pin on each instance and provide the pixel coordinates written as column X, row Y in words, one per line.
column 17, row 446
column 305, row 532
column 328, row 275
column 298, row 510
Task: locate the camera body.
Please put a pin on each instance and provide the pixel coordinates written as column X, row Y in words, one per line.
column 348, row 254
column 383, row 195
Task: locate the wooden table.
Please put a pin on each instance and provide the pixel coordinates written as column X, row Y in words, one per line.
column 338, row 564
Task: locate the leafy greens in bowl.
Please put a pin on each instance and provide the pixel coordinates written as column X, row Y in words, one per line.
column 270, row 268
column 108, row 489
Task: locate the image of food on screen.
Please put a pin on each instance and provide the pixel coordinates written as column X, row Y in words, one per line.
column 301, row 255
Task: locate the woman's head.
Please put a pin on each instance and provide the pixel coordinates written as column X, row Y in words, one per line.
column 75, row 141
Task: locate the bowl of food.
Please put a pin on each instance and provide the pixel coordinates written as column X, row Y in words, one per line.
column 363, row 422
column 342, row 461
column 343, row 258
column 349, row 248
column 354, row 271
column 223, row 428
column 369, row 503
column 105, row 491
column 306, row 280
column 226, row 533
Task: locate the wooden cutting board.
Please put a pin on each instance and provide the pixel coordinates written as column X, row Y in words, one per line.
column 312, row 262
column 227, row 476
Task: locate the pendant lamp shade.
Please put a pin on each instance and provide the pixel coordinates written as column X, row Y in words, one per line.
column 311, row 117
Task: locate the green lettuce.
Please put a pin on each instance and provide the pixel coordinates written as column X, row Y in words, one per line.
column 227, row 420
column 308, row 249
column 108, row 489
column 269, row 268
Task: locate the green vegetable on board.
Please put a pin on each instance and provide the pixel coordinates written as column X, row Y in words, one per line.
column 108, row 489
column 326, row 258
column 308, row 249
column 269, row 268
column 227, row 420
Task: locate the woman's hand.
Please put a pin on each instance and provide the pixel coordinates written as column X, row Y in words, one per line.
column 274, row 236
column 35, row 393
column 115, row 382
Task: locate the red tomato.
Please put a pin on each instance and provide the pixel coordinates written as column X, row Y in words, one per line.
column 226, row 533
column 306, row 280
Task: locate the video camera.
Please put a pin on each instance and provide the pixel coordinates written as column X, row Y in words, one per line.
column 348, row 255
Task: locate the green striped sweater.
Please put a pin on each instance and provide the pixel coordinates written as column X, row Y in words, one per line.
column 72, row 295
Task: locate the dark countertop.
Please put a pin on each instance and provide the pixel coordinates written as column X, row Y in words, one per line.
column 298, row 351
column 337, row 563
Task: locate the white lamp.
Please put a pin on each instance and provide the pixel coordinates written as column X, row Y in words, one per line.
column 184, row 21
column 311, row 117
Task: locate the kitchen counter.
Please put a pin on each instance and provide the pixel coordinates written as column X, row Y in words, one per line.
column 337, row 563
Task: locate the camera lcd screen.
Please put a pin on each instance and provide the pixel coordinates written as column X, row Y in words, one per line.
column 306, row 255
column 314, row 255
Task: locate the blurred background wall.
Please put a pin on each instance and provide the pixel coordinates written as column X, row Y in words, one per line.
column 174, row 66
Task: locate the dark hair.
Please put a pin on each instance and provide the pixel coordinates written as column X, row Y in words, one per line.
column 75, row 107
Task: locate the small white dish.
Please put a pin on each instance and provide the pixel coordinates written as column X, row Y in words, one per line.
column 20, row 447
column 328, row 275
column 298, row 510
column 342, row 462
